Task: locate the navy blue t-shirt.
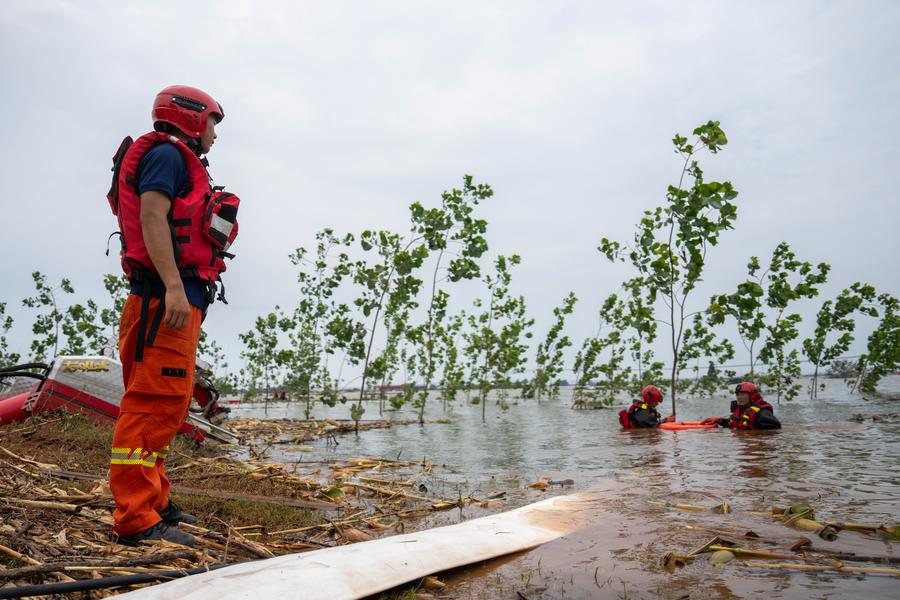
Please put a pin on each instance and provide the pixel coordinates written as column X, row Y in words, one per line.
column 162, row 169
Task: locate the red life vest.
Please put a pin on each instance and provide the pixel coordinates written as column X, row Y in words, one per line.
column 203, row 219
column 625, row 413
column 745, row 418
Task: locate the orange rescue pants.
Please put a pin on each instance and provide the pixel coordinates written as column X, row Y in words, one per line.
column 158, row 392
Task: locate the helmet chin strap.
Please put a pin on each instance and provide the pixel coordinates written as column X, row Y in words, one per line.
column 194, row 144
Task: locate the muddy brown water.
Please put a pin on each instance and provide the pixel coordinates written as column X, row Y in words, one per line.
column 845, row 469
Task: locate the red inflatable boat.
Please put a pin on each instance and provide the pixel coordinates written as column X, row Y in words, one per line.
column 93, row 385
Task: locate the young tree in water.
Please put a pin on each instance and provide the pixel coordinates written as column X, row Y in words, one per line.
column 449, row 231
column 453, row 377
column 387, row 364
column 671, row 243
column 494, row 339
column 586, row 370
column 347, row 334
column 7, row 358
column 783, row 365
column 836, row 317
column 549, row 358
column 882, row 355
column 589, row 365
column 47, row 326
column 700, row 342
column 263, row 351
column 640, row 319
column 389, row 283
column 760, row 308
column 318, row 278
column 614, row 376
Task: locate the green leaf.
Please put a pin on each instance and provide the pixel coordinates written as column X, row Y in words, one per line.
column 334, row 492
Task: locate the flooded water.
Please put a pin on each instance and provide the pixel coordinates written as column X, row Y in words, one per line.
column 847, row 471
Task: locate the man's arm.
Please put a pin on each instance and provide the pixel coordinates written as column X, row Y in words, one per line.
column 766, row 420
column 158, row 239
column 720, row 421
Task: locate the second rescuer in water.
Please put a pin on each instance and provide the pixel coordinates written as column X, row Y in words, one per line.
column 748, row 410
column 642, row 413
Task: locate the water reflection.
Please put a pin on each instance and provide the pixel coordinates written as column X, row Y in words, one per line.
column 756, row 450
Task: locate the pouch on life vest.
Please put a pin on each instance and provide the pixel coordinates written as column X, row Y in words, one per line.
column 220, row 224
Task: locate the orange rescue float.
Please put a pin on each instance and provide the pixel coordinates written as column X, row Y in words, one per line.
column 680, row 425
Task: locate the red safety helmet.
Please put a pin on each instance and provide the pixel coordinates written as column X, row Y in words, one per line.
column 651, row 394
column 186, row 108
column 746, row 386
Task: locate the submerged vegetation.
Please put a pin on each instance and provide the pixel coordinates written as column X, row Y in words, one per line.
column 381, row 307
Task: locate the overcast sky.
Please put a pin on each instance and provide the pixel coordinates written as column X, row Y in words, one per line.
column 342, row 113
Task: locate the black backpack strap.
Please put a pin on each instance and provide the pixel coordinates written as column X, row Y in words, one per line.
column 142, row 323
column 117, row 159
column 157, row 320
column 147, row 330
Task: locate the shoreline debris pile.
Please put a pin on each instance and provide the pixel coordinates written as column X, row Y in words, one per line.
column 56, row 507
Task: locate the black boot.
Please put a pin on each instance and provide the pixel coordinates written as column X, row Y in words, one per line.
column 173, row 515
column 160, row 531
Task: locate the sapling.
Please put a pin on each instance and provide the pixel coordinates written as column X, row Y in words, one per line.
column 671, row 243
column 836, row 318
column 550, row 354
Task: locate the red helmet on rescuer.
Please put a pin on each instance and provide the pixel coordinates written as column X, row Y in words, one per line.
column 186, row 108
column 651, row 394
column 749, row 388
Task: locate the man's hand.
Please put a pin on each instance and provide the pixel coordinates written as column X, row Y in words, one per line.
column 710, row 421
column 178, row 310
column 669, row 419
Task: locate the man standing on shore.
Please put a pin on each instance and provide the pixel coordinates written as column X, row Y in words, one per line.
column 175, row 228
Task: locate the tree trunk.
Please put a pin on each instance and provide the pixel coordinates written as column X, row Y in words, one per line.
column 422, row 406
column 672, row 389
column 814, row 386
column 752, row 366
